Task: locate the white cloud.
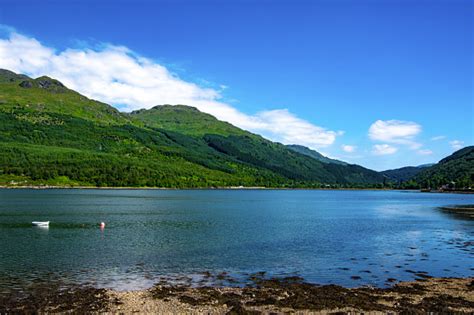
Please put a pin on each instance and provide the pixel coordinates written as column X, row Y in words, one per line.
column 437, row 138
column 348, row 148
column 283, row 126
column 383, row 149
column 395, row 131
column 456, row 144
column 425, row 152
column 118, row 76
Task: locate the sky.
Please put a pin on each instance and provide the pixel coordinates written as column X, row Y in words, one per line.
column 383, row 84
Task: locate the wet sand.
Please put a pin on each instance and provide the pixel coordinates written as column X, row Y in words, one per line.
column 286, row 295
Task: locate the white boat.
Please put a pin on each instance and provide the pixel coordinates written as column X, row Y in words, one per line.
column 40, row 223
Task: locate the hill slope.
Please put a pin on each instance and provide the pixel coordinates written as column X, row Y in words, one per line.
column 50, row 134
column 186, row 120
column 253, row 149
column 404, row 174
column 456, row 170
column 47, row 134
column 46, row 95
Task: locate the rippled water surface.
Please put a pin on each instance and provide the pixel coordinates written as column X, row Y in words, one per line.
column 349, row 238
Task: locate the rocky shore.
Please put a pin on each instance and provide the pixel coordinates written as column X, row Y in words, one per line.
column 286, row 295
column 460, row 210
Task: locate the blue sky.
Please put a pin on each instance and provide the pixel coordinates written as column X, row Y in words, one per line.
column 383, row 84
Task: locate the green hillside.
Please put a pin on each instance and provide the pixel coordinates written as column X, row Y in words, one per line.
column 253, row 149
column 455, row 171
column 403, row 174
column 45, row 95
column 186, row 120
column 52, row 135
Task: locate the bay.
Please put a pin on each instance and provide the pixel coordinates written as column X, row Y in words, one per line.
column 345, row 237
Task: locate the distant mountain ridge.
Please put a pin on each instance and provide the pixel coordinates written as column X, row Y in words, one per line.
column 314, row 154
column 404, row 173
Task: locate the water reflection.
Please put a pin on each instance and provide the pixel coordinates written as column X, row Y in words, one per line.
column 41, row 228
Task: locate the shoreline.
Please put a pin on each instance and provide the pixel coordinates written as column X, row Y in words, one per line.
column 40, row 187
column 466, row 211
column 285, row 295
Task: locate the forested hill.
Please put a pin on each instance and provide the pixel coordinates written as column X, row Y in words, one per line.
column 455, row 171
column 403, row 174
column 186, row 120
column 253, row 149
column 52, row 135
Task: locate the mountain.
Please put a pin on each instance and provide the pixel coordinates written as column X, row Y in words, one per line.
column 404, row 174
column 250, row 148
column 7, row 76
column 426, row 165
column 33, row 97
column 314, row 154
column 50, row 134
column 186, row 120
column 456, row 171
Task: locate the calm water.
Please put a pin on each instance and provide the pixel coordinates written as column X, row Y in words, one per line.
column 323, row 236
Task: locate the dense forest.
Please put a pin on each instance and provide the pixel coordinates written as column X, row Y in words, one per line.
column 51, row 135
column 453, row 172
column 403, row 174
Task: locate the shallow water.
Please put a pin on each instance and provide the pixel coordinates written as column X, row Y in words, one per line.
column 322, row 236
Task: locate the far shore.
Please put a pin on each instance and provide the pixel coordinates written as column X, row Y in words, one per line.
column 184, row 188
column 230, row 188
column 267, row 296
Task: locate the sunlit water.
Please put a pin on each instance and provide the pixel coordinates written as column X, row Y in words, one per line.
column 322, row 236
